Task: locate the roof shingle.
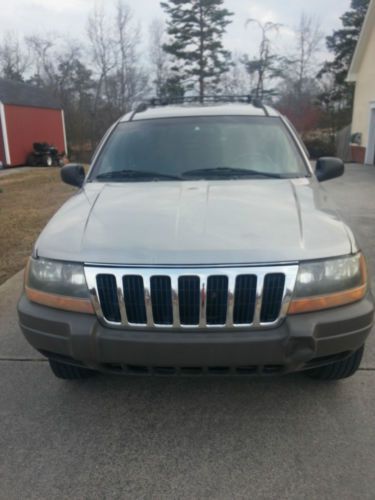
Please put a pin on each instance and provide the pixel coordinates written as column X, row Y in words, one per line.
column 23, row 94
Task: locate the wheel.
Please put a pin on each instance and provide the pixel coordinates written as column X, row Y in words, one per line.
column 47, row 161
column 31, row 160
column 339, row 370
column 69, row 372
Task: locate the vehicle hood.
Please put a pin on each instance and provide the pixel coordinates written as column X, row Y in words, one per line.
column 197, row 223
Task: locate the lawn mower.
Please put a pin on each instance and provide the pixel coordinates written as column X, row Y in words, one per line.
column 45, row 155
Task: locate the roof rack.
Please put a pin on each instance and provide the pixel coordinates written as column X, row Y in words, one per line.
column 167, row 101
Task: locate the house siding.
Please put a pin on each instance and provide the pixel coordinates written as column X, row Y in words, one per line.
column 26, row 125
column 365, row 91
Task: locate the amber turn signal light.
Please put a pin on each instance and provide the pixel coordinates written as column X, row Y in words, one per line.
column 59, row 301
column 329, row 301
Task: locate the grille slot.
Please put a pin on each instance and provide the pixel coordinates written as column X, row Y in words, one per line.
column 161, row 298
column 188, row 295
column 107, row 290
column 135, row 299
column 273, row 292
column 191, row 298
column 217, row 298
column 244, row 299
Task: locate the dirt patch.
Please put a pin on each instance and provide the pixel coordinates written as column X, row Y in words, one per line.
column 27, row 201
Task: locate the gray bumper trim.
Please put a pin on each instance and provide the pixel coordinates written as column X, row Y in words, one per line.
column 298, row 340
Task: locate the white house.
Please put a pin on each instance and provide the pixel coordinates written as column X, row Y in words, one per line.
column 362, row 72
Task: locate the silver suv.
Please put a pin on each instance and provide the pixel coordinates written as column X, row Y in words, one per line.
column 200, row 242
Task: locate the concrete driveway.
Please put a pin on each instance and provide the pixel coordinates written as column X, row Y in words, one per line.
column 108, row 437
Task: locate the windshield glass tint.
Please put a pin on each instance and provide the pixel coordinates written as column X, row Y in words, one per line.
column 181, row 145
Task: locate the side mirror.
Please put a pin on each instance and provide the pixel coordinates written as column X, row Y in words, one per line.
column 73, row 174
column 328, row 168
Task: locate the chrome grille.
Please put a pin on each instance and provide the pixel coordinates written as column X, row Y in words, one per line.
column 134, row 299
column 188, row 291
column 199, row 298
column 272, row 295
column 161, row 300
column 217, row 299
column 108, row 297
column 244, row 299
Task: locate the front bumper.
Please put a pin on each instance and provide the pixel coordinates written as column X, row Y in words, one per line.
column 300, row 342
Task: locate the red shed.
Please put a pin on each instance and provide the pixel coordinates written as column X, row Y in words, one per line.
column 28, row 114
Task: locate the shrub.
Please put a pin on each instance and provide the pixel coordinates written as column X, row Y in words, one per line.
column 320, row 146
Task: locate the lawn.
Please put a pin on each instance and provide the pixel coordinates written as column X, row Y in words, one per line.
column 27, row 201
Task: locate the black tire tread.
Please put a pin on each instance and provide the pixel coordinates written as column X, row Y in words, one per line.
column 31, row 160
column 69, row 372
column 340, row 370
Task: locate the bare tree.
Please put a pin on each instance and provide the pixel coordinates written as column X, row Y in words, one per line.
column 114, row 40
column 159, row 59
column 13, row 60
column 237, row 80
column 96, row 82
column 53, row 62
column 59, row 67
column 75, row 88
column 126, row 39
column 264, row 67
column 102, row 45
column 302, row 62
column 129, row 78
column 41, row 49
column 102, row 51
column 300, row 88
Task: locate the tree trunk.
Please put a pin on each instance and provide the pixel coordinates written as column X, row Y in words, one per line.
column 201, row 89
column 201, row 56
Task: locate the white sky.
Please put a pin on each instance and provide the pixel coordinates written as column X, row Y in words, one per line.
column 23, row 17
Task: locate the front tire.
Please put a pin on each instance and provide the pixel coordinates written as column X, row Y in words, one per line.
column 69, row 372
column 339, row 370
column 31, row 160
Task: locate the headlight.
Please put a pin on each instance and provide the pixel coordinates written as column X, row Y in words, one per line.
column 330, row 283
column 58, row 284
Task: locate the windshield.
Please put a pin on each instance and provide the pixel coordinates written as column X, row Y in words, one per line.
column 199, row 147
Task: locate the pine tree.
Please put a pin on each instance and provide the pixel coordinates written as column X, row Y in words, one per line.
column 342, row 44
column 196, row 29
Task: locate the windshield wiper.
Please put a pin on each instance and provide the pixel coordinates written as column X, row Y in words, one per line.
column 230, row 172
column 121, row 175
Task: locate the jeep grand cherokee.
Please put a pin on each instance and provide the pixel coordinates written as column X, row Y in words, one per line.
column 200, row 241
